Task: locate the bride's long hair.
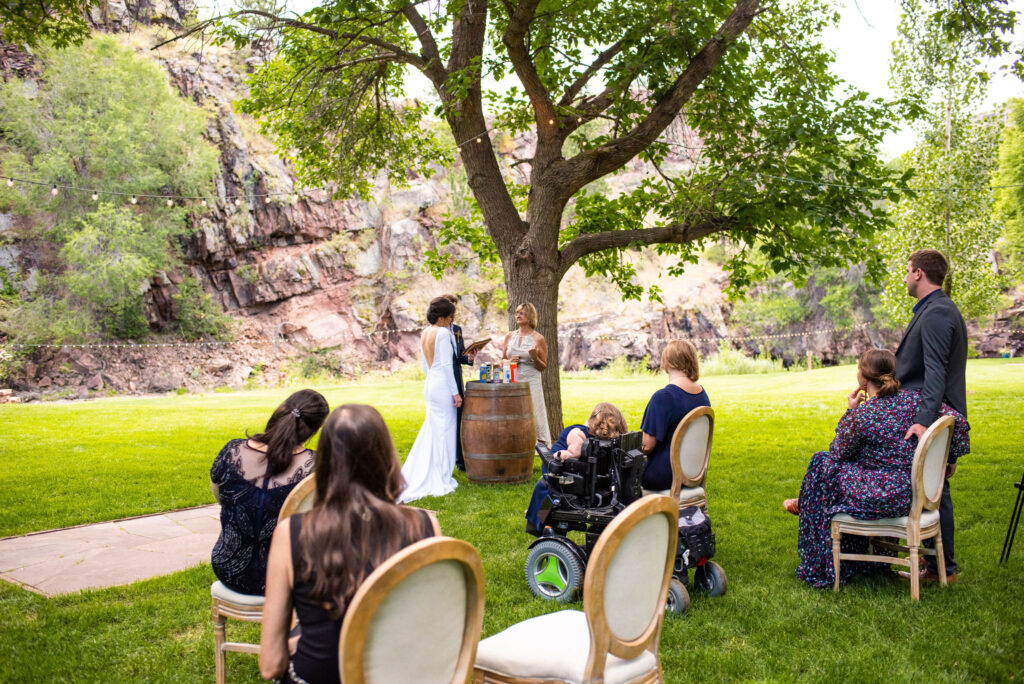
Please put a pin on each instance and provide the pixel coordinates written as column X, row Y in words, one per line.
column 354, row 524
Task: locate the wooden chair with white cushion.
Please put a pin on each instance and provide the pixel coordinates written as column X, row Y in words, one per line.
column 249, row 607
column 689, row 452
column 416, row 618
column 615, row 639
column 927, row 476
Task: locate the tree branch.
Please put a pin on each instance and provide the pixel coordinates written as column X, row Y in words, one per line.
column 589, row 243
column 593, row 164
column 433, row 67
column 515, row 42
column 602, row 60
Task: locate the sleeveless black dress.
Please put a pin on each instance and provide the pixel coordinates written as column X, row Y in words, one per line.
column 315, row 660
column 248, row 516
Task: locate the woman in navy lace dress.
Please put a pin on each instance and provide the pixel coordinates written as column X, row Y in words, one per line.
column 251, row 478
column 866, row 471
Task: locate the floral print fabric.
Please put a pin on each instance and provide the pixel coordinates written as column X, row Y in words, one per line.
column 866, row 474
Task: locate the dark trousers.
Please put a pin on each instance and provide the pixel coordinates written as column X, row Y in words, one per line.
column 946, row 530
column 460, row 462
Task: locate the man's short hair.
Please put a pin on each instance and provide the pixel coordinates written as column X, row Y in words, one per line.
column 932, row 263
column 451, row 298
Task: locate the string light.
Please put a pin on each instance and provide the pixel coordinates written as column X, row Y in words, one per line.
column 134, row 200
column 170, row 202
column 204, row 202
column 480, row 139
column 10, row 182
column 238, row 202
column 95, row 196
column 53, row 191
column 551, row 122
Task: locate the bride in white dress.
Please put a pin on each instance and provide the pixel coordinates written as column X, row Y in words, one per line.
column 428, row 468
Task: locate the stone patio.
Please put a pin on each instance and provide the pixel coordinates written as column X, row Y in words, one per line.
column 110, row 553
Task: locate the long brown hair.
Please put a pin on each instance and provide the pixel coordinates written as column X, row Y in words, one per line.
column 290, row 425
column 878, row 366
column 354, row 524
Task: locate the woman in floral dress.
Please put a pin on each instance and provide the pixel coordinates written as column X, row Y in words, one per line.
column 866, row 471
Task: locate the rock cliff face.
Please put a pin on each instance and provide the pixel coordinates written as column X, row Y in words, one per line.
column 339, row 280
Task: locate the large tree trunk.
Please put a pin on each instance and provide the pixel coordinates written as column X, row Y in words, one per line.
column 539, row 286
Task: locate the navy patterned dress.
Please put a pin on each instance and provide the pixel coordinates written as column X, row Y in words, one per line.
column 248, row 516
column 866, row 474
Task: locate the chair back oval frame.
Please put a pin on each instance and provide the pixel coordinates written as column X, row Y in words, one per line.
column 388, row 575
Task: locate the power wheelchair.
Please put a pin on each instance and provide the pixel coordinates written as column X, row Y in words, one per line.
column 585, row 495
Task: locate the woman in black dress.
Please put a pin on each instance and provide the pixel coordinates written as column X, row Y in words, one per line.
column 251, row 478
column 318, row 559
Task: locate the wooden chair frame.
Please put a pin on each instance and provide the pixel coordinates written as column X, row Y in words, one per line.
column 913, row 531
column 223, row 610
column 679, row 478
column 391, row 573
column 602, row 640
column 295, row 502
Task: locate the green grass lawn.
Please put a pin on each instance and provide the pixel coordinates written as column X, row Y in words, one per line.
column 66, row 464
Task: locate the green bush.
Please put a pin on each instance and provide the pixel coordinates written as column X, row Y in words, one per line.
column 98, row 116
column 729, row 361
column 196, row 314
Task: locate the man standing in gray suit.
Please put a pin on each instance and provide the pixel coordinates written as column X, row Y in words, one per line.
column 932, row 358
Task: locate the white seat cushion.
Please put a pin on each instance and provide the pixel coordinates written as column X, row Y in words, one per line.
column 928, row 518
column 554, row 647
column 685, row 494
column 691, row 494
column 222, row 593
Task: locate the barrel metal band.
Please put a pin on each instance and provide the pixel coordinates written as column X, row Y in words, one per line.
column 500, row 479
column 499, row 457
column 494, row 419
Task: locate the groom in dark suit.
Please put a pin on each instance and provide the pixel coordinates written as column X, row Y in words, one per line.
column 932, row 358
column 461, row 359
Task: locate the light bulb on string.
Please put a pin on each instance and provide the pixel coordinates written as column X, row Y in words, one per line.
column 204, row 202
column 480, row 139
column 551, row 122
column 10, row 182
column 238, row 202
column 53, row 191
column 95, row 196
column 135, row 200
column 170, row 202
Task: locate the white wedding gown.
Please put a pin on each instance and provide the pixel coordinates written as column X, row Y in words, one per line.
column 428, row 469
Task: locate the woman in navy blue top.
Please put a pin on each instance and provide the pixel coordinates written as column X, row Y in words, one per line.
column 605, row 422
column 667, row 407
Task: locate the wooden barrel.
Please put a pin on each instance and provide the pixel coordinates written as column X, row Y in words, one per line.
column 498, row 432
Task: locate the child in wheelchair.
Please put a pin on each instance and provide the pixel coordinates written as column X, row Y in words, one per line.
column 583, row 493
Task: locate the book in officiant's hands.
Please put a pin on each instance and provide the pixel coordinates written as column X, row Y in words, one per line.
column 477, row 346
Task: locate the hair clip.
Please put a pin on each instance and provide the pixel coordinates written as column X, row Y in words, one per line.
column 297, row 413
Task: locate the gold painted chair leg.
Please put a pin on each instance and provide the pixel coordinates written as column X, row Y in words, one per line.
column 835, row 562
column 940, row 559
column 218, row 645
column 915, row 575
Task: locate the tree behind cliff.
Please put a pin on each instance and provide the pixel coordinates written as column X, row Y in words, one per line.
column 97, row 116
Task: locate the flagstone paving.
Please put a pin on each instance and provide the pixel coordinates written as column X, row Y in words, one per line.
column 110, row 554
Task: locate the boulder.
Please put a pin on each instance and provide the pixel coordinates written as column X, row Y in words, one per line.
column 45, row 382
column 84, row 362
column 218, row 365
column 95, row 382
column 166, row 381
